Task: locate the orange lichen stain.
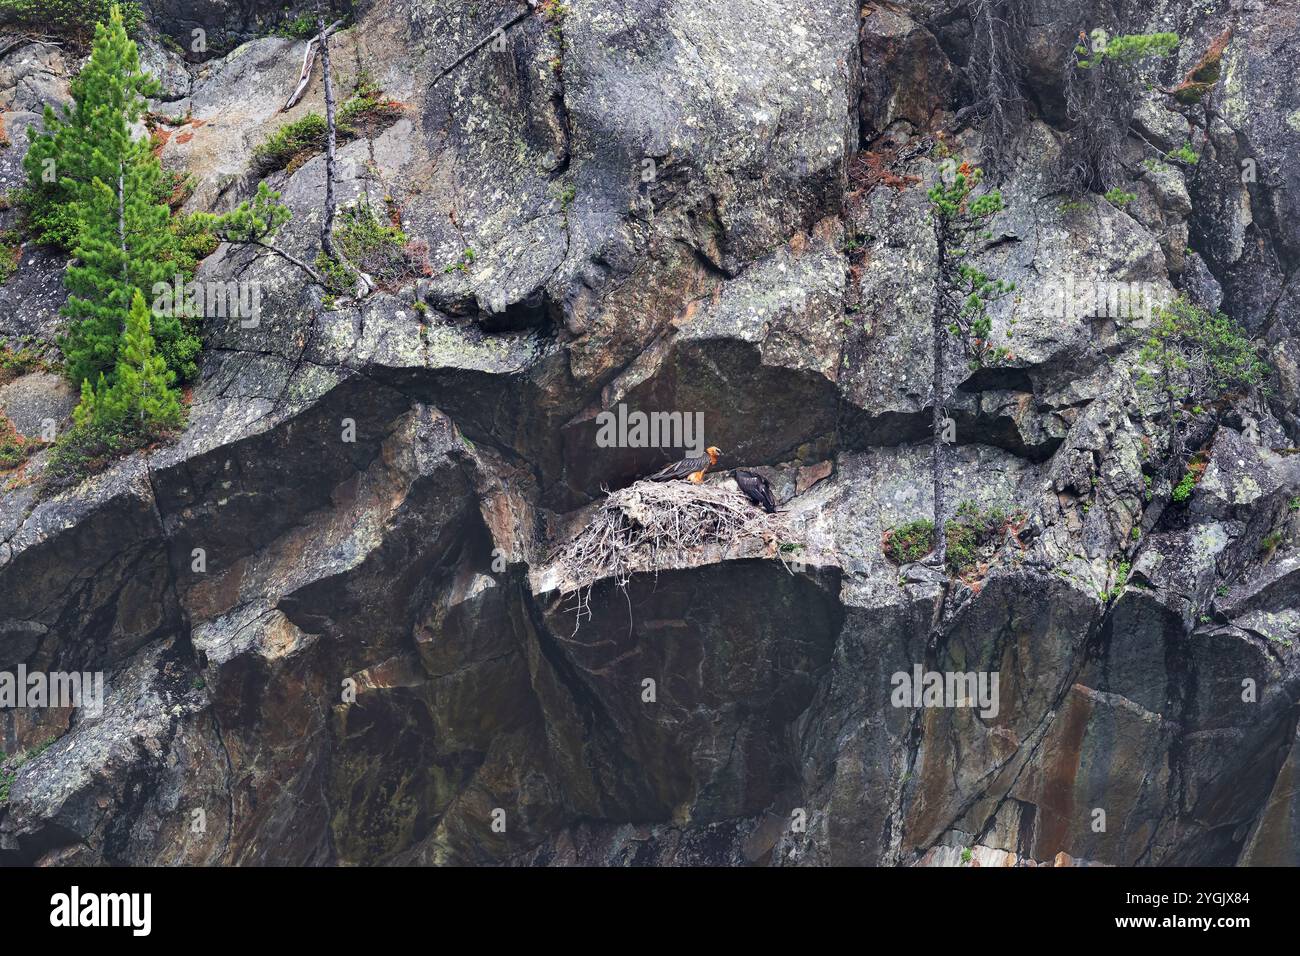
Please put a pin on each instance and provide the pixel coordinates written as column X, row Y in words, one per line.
column 184, row 137
column 934, row 782
column 1056, row 800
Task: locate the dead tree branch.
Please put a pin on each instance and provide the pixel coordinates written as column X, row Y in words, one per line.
column 517, row 18
column 308, row 61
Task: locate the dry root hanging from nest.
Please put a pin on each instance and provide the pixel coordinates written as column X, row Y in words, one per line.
column 652, row 527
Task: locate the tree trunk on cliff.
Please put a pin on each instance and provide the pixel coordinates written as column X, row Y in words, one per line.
column 327, row 222
column 939, row 333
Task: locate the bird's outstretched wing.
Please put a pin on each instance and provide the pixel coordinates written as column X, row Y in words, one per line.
column 680, row 469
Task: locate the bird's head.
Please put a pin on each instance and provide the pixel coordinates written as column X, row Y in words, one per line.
column 713, row 452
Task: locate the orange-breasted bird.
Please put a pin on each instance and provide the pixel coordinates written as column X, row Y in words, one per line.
column 756, row 489
column 692, row 469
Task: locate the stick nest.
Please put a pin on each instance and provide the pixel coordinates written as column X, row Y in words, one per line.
column 652, row 526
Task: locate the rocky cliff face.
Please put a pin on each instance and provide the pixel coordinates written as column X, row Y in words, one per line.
column 714, row 207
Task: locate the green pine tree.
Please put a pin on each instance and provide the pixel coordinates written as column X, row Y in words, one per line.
column 83, row 416
column 959, row 308
column 106, row 201
column 109, row 94
column 141, row 399
column 1190, row 356
column 138, row 407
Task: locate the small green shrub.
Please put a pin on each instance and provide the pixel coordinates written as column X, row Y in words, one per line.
column 463, row 263
column 1183, row 490
column 9, row 766
column 338, row 277
column 1126, row 49
column 1192, row 356
column 377, row 247
column 20, row 362
column 971, row 536
column 14, row 448
column 195, row 240
column 975, row 534
column 566, row 195
column 84, row 450
column 290, row 142
column 7, row 777
column 910, row 542
column 11, row 250
column 302, row 27
column 1119, row 198
column 1184, row 154
column 70, row 18
column 136, row 409
column 49, row 220
column 367, row 111
column 963, row 545
column 294, row 143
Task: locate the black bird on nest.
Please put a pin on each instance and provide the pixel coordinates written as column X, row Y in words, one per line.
column 756, row 489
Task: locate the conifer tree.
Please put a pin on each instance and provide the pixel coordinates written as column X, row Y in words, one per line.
column 108, row 184
column 139, row 406
column 962, row 294
column 1102, row 89
column 1192, row 355
column 108, row 95
column 141, row 399
column 254, row 222
column 83, row 416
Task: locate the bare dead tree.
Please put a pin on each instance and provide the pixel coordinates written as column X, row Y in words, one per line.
column 328, row 247
column 327, row 222
column 939, row 412
column 308, row 61
column 321, row 42
column 995, row 72
column 1100, row 103
column 1101, row 95
column 24, row 40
